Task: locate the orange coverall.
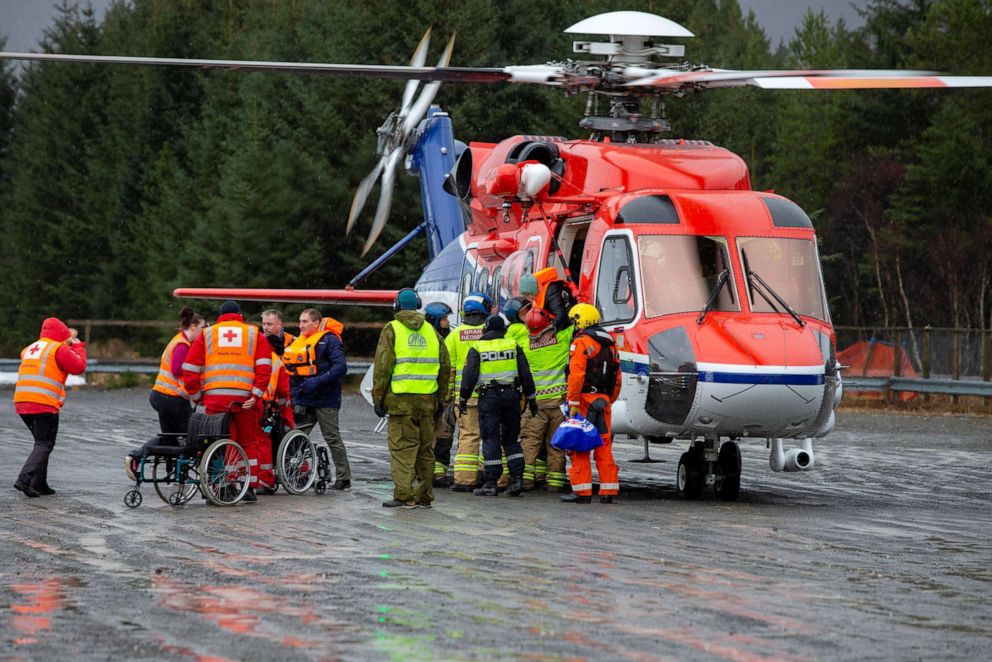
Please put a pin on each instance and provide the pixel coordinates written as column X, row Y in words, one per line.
column 584, row 347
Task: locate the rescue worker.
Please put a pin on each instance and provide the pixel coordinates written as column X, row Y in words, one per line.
column 593, row 385
column 515, row 311
column 436, row 314
column 39, row 395
column 272, row 324
column 168, row 397
column 548, row 291
column 316, row 364
column 547, row 354
column 409, row 378
column 277, row 414
column 229, row 367
column 498, row 367
column 475, row 309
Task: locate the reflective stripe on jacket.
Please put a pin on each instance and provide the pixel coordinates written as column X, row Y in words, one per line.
column 166, row 382
column 547, row 356
column 418, row 359
column 229, row 366
column 461, row 339
column 40, row 380
column 272, row 392
column 497, row 361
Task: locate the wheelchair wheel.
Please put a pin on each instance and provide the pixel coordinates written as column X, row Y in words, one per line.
column 224, row 473
column 296, row 462
column 172, row 492
column 132, row 499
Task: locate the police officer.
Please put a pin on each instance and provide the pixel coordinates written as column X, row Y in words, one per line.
column 593, row 385
column 436, row 314
column 462, row 338
column 410, row 374
column 498, row 367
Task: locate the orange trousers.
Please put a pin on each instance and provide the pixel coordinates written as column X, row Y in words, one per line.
column 580, row 471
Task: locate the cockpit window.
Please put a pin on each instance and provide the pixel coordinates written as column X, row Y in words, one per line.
column 680, row 272
column 790, row 269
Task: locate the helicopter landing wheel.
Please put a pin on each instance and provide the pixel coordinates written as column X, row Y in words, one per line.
column 692, row 474
column 728, row 469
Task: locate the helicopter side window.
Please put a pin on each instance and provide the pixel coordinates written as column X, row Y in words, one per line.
column 482, row 282
column 615, row 293
column 497, row 286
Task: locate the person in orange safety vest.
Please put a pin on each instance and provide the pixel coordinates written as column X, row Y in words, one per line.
column 168, row 397
column 277, row 413
column 229, row 366
column 593, row 386
column 39, row 395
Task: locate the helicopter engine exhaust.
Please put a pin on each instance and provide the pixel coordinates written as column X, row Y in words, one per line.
column 794, row 459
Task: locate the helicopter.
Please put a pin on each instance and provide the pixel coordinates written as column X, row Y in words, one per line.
column 713, row 291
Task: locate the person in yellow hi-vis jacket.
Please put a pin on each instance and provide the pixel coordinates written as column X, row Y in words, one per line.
column 409, row 381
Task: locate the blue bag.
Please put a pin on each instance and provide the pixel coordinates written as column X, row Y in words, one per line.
column 576, row 434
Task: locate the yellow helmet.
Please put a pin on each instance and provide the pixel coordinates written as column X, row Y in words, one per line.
column 584, row 315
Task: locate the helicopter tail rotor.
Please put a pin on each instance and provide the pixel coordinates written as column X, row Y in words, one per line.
column 395, row 140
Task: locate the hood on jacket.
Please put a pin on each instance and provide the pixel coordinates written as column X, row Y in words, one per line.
column 411, row 319
column 332, row 325
column 54, row 329
column 600, row 335
column 474, row 319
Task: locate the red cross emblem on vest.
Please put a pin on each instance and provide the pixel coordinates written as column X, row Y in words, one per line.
column 34, row 349
column 230, row 337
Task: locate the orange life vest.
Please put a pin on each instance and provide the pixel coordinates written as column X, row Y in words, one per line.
column 229, row 358
column 300, row 358
column 40, row 380
column 270, row 392
column 166, row 382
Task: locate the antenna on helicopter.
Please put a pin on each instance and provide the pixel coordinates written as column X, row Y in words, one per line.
column 396, row 137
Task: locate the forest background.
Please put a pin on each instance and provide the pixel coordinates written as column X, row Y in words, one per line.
column 118, row 184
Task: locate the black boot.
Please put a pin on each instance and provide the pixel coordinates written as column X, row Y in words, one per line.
column 442, row 480
column 516, row 486
column 606, row 499
column 576, row 498
column 488, row 489
column 249, row 496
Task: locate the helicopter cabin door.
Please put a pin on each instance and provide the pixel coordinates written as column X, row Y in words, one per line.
column 572, row 242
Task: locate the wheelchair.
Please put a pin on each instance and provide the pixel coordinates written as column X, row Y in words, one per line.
column 299, row 463
column 204, row 460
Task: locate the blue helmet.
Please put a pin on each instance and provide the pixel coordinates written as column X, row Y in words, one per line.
column 477, row 302
column 435, row 312
column 513, row 307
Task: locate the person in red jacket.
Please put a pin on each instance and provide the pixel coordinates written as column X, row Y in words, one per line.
column 277, row 414
column 594, row 381
column 229, row 367
column 40, row 393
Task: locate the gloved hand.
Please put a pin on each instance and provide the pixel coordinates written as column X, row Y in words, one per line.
column 380, row 409
column 532, row 405
column 463, row 407
column 449, row 415
column 573, row 411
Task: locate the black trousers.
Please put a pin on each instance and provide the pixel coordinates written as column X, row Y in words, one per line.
column 44, row 428
column 499, row 425
column 173, row 412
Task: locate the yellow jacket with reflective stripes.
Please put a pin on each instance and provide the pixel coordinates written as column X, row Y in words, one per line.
column 418, row 359
column 547, row 356
column 461, row 339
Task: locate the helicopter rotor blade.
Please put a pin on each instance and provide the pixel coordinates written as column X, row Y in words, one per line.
column 419, row 109
column 418, row 59
column 826, row 79
column 362, row 194
column 385, row 198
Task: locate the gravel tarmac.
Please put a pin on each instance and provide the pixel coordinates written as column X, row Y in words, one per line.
column 883, row 551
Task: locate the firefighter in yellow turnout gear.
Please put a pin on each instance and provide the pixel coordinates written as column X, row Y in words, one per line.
column 547, row 355
column 462, row 338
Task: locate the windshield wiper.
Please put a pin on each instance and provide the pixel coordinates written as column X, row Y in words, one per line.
column 714, row 293
column 765, row 287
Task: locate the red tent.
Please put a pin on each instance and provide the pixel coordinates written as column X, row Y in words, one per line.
column 875, row 358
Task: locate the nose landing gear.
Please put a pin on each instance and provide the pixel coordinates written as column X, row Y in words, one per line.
column 709, row 463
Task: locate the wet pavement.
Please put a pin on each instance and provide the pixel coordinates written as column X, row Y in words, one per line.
column 884, row 551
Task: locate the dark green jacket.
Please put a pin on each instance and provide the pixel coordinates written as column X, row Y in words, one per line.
column 385, row 359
